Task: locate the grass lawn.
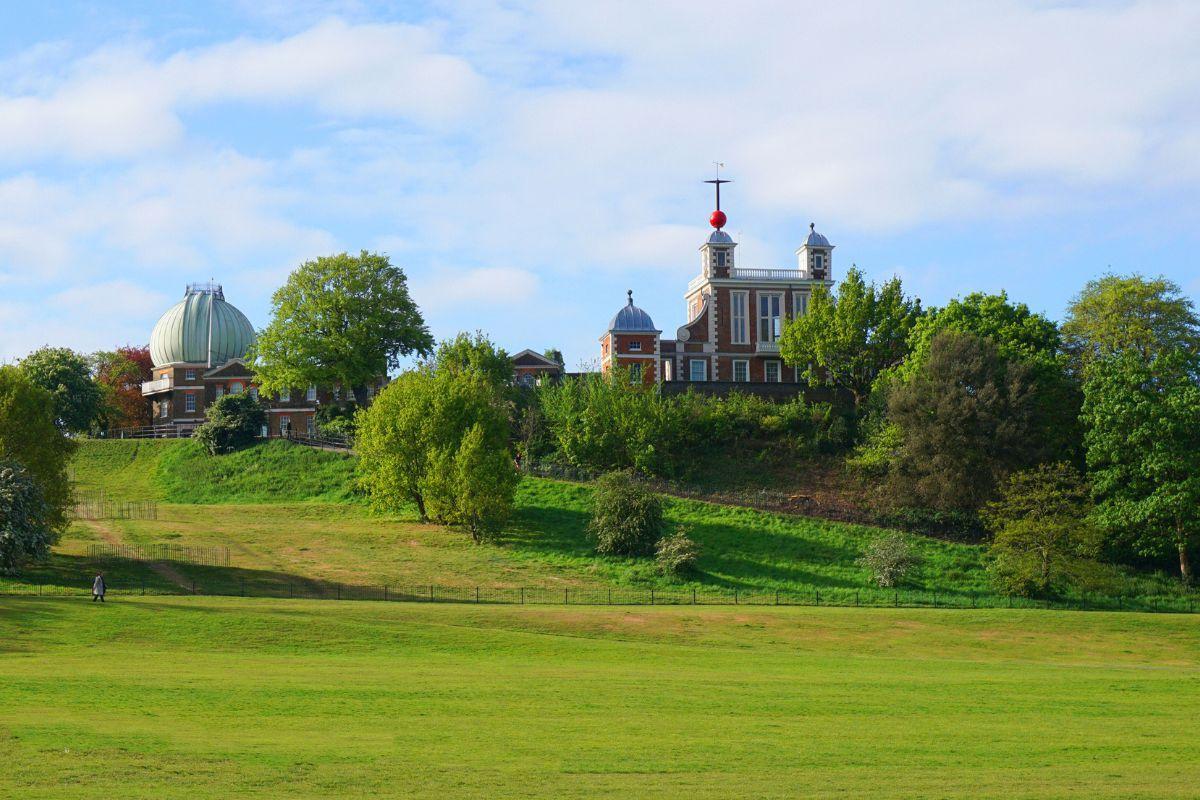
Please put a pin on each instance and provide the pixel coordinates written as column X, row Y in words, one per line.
column 199, row 698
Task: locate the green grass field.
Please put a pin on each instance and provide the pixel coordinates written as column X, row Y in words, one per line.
column 199, row 698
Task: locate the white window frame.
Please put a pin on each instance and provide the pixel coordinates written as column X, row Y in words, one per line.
column 799, row 304
column 285, row 421
column 285, row 396
column 722, row 257
column 163, row 410
column 189, row 403
column 778, row 371
column 765, row 319
column 818, row 262
column 635, row 347
column 311, row 394
column 739, row 317
column 703, row 362
column 744, row 363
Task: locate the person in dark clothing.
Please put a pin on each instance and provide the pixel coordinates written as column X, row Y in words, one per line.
column 98, row 588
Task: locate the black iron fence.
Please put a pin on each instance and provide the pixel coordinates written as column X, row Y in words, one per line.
column 202, row 556
column 97, row 506
column 271, row 585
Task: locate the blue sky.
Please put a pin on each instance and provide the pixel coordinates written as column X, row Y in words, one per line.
column 528, row 162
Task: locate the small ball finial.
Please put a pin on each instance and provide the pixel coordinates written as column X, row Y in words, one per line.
column 812, row 226
column 718, row 219
column 630, row 293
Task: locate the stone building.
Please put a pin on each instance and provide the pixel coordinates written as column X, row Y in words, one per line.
column 198, row 349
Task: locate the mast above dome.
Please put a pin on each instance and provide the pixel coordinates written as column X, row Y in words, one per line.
column 718, row 219
column 206, row 287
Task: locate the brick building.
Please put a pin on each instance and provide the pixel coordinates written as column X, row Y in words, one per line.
column 735, row 316
column 198, row 349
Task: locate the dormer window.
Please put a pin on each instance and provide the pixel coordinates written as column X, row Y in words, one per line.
column 722, row 258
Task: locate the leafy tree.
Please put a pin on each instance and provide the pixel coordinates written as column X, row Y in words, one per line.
column 475, row 352
column 1043, row 540
column 26, row 530
column 627, row 518
column 339, row 320
column 119, row 374
column 409, row 440
column 67, row 376
column 967, row 419
column 891, row 559
column 234, row 421
column 554, row 354
column 481, row 483
column 30, row 436
column 847, row 340
column 1117, row 313
column 676, row 553
column 1143, row 449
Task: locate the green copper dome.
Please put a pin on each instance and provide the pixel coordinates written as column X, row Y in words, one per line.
column 182, row 334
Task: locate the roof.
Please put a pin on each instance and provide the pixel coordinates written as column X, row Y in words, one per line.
column 632, row 319
column 815, row 239
column 719, row 237
column 532, row 359
column 182, row 334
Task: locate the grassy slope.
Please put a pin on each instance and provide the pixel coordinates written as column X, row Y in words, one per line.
column 286, row 514
column 215, row 698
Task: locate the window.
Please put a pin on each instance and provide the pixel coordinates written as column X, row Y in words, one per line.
column 635, row 373
column 698, row 369
column 189, row 402
column 285, row 425
column 254, row 392
column 635, row 347
column 311, row 395
column 311, row 429
column 770, row 325
column 285, row 396
column 772, row 372
column 162, row 409
column 741, row 371
column 220, row 391
column 235, row 387
column 189, row 375
column 739, row 332
column 722, row 258
column 668, row 368
column 818, row 262
column 799, row 304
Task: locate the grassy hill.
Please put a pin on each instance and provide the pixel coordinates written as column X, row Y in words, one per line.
column 226, row 697
column 291, row 518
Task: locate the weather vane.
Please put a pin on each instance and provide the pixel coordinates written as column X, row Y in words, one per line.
column 718, row 219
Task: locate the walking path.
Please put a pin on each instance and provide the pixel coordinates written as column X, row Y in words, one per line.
column 160, row 567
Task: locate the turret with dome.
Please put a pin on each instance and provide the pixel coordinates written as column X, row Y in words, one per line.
column 202, row 328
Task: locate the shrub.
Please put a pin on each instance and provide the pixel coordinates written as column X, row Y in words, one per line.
column 676, row 553
column 234, row 421
column 25, row 529
column 627, row 519
column 891, row 559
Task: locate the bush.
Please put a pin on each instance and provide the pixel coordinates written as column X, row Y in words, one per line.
column 891, row 559
column 234, row 421
column 627, row 519
column 472, row 488
column 25, row 530
column 677, row 553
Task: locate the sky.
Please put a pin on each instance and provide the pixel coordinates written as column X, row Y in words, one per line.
column 527, row 162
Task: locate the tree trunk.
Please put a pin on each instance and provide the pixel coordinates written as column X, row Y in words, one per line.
column 1185, row 565
column 421, row 508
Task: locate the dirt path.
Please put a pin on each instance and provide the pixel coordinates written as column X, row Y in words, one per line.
column 161, row 568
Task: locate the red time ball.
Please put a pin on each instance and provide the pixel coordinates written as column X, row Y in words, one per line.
column 717, row 220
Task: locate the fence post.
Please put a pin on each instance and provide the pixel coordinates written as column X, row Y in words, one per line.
column 522, row 595
column 431, row 592
column 651, row 596
column 897, row 599
column 610, row 597
column 476, row 595
column 193, row 585
column 735, row 597
column 856, row 598
column 776, row 597
column 693, row 595
column 566, row 596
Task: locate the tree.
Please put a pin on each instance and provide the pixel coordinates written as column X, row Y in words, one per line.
column 339, row 320
column 26, row 531
column 1143, row 448
column 475, row 352
column 676, row 553
column 891, row 559
column 627, row 518
column 29, row 435
column 409, row 440
column 1117, row 313
column 67, row 376
column 482, row 484
column 234, row 421
column 554, row 354
column 1042, row 540
column 967, row 419
column 119, row 374
column 847, row 340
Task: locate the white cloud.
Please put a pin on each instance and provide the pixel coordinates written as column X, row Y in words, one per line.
column 465, row 290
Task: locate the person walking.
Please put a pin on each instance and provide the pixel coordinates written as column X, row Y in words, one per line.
column 98, row 588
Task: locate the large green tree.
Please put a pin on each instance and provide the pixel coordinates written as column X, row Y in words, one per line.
column 30, row 436
column 340, row 320
column 1143, row 449
column 967, row 419
column 26, row 532
column 475, row 352
column 846, row 341
column 67, row 376
column 1119, row 313
column 234, row 421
